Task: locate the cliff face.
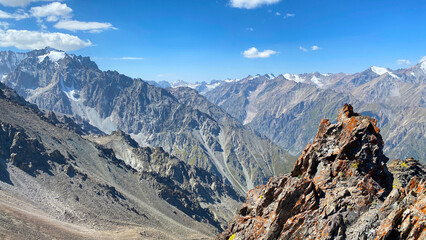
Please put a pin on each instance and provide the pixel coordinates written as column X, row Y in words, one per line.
column 340, row 188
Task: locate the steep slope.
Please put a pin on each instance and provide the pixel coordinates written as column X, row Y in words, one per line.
column 401, row 110
column 194, row 191
column 9, row 61
column 340, row 188
column 110, row 101
column 54, row 183
column 231, row 132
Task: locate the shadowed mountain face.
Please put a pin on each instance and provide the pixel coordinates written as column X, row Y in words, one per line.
column 285, row 108
column 59, row 183
column 187, row 126
column 340, row 188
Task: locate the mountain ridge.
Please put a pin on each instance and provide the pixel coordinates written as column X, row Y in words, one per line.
column 110, row 101
column 281, row 109
column 82, row 185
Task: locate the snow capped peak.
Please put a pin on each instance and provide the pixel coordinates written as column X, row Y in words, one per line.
column 294, row 77
column 228, row 80
column 381, row 71
column 423, row 66
column 317, row 81
column 211, row 86
column 54, row 56
column 181, row 83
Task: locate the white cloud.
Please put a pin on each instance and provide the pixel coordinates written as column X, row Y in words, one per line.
column 313, row 48
column 423, row 59
column 289, row 15
column 403, row 62
column 20, row 3
column 254, row 53
column 250, row 4
column 250, row 29
column 93, row 27
column 18, row 15
column 278, row 13
column 24, row 39
column 4, row 25
column 52, row 12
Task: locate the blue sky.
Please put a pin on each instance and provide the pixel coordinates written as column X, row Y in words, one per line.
column 202, row 40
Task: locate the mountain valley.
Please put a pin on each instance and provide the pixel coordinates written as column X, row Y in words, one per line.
column 91, row 154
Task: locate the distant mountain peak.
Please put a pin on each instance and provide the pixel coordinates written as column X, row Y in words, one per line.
column 423, row 65
column 269, row 75
column 380, row 71
column 53, row 55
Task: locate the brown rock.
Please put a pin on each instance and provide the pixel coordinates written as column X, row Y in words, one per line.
column 340, row 188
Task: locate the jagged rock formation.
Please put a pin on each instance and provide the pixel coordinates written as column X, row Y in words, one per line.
column 193, row 190
column 340, row 188
column 56, row 183
column 153, row 116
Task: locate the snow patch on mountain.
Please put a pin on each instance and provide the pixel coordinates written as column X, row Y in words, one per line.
column 423, row 66
column 181, row 83
column 381, row 71
column 71, row 92
column 54, row 56
column 232, row 80
column 317, row 81
column 213, row 86
column 294, row 77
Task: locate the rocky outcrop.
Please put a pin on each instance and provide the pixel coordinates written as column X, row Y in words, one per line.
column 25, row 152
column 340, row 188
column 195, row 191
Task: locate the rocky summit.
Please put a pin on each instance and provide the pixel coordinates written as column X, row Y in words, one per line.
column 341, row 187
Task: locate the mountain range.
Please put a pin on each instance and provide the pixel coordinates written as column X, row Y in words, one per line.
column 185, row 125
column 286, row 108
column 89, row 154
column 59, row 181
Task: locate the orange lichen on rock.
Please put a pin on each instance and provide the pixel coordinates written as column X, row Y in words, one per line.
column 340, row 188
column 325, row 123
